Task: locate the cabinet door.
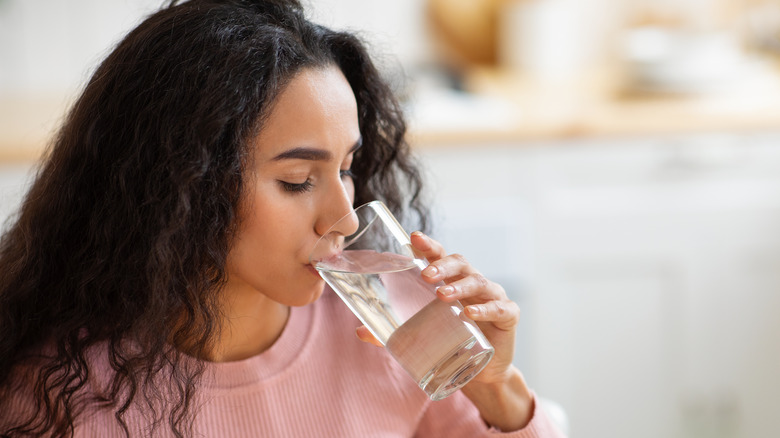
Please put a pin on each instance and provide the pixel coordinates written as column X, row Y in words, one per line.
column 652, row 306
column 607, row 338
column 647, row 277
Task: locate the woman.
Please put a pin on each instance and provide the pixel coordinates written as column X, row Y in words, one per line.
column 156, row 280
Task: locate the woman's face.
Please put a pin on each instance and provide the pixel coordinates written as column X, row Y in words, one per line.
column 298, row 186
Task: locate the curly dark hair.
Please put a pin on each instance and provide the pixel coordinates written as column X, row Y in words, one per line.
column 122, row 239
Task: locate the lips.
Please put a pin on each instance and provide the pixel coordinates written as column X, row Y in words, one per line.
column 328, row 246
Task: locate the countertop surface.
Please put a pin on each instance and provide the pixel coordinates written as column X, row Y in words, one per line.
column 501, row 107
column 522, row 109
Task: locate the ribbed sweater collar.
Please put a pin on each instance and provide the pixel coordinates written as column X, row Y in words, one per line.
column 290, row 347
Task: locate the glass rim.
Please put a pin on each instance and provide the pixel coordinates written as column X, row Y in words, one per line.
column 380, row 211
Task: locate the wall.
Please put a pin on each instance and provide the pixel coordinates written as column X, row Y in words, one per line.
column 51, row 46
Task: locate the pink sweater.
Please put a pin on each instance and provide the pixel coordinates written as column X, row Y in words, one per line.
column 319, row 380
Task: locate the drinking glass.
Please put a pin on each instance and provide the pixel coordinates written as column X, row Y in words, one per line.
column 376, row 272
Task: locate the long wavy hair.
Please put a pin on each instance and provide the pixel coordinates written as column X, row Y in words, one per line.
column 121, row 241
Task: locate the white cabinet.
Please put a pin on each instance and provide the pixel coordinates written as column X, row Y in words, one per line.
column 648, row 271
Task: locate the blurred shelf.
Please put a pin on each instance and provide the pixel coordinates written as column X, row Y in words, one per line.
column 500, row 107
column 598, row 105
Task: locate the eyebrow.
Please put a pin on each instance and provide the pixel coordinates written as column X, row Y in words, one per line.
column 312, row 154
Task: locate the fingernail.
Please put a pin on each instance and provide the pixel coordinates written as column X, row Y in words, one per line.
column 430, row 271
column 420, row 234
column 474, row 310
column 446, row 290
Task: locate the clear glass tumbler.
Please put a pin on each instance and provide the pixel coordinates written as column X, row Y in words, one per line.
column 376, row 273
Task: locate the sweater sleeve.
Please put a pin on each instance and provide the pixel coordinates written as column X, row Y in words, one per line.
column 457, row 417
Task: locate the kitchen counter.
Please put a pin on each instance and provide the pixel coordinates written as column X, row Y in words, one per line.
column 501, row 107
column 601, row 105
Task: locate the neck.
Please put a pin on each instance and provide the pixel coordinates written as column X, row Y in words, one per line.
column 251, row 324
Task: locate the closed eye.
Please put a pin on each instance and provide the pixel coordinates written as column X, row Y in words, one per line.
column 295, row 187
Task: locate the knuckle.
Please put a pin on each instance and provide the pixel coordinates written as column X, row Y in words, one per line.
column 507, row 311
column 480, row 280
column 459, row 258
column 501, row 309
column 444, row 269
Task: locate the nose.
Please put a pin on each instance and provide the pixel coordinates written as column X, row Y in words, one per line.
column 337, row 213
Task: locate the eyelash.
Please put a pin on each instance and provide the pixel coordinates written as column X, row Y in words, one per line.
column 307, row 185
column 296, row 188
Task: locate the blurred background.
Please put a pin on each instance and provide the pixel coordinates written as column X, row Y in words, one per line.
column 615, row 164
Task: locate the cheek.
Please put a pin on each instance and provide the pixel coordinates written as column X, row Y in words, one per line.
column 264, row 223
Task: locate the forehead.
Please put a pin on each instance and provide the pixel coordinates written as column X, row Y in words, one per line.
column 317, row 109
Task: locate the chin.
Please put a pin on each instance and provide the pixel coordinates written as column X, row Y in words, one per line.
column 313, row 294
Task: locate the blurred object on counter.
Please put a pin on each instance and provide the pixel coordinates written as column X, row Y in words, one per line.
column 696, row 15
column 762, row 26
column 670, row 60
column 696, row 47
column 465, row 31
column 551, row 39
column 545, row 38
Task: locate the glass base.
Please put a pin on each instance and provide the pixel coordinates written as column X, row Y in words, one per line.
column 463, row 364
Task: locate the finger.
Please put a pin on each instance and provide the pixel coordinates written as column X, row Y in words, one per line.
column 365, row 335
column 473, row 287
column 448, row 269
column 427, row 247
column 503, row 314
